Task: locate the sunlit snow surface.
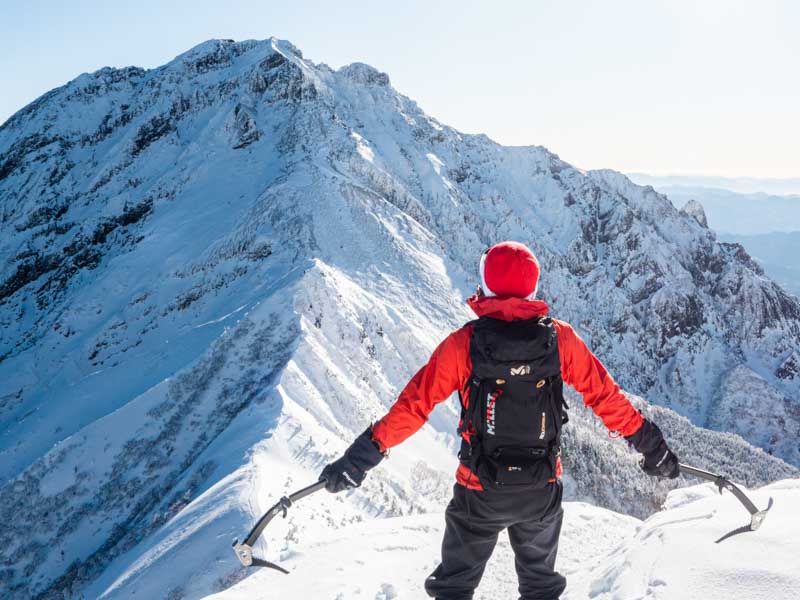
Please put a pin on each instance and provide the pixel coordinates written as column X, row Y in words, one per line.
column 605, row 556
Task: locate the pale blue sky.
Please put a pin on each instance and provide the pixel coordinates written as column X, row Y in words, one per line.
column 660, row 86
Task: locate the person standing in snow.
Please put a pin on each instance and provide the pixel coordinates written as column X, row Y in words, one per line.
column 509, row 367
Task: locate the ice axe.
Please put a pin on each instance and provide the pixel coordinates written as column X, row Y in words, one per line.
column 756, row 516
column 244, row 551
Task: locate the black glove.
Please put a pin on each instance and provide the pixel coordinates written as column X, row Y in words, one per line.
column 349, row 471
column 659, row 460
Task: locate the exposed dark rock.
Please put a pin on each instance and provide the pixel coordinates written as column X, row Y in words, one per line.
column 77, row 255
column 43, row 215
column 217, row 59
column 246, row 130
column 272, row 61
column 738, row 252
column 28, row 272
column 790, row 368
column 12, row 160
column 365, row 75
column 154, row 129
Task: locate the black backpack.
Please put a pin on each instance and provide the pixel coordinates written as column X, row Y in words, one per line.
column 515, row 403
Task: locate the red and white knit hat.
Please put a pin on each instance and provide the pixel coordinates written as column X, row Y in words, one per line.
column 509, row 269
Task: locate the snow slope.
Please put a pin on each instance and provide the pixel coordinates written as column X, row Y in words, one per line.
column 604, row 555
column 672, row 554
column 216, row 273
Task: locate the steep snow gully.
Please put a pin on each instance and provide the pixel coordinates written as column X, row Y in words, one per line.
column 215, row 273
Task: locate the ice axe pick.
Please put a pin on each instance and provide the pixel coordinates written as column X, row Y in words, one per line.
column 756, row 516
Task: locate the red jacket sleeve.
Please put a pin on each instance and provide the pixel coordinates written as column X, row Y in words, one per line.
column 447, row 371
column 583, row 370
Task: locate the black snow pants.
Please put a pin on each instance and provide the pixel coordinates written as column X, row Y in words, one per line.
column 473, row 521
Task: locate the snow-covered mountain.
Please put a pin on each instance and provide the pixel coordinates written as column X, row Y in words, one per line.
column 777, row 253
column 217, row 272
column 765, row 224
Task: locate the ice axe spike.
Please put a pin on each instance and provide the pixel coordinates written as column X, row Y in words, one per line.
column 756, row 516
column 244, row 550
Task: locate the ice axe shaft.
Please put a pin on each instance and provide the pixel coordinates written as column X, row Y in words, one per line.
column 244, row 551
column 756, row 516
column 721, row 483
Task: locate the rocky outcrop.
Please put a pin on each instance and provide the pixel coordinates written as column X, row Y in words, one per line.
column 695, row 210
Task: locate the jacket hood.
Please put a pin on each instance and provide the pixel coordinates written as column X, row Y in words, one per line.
column 508, row 308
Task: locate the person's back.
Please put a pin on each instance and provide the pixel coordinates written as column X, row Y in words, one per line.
column 509, row 367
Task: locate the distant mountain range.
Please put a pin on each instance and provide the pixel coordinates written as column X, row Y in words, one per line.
column 739, row 213
column 789, row 186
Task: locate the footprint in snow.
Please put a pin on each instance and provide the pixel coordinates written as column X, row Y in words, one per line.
column 387, row 592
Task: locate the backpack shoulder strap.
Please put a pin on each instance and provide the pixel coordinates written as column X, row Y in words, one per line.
column 470, row 390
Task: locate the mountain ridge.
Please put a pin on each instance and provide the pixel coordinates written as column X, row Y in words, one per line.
column 220, row 267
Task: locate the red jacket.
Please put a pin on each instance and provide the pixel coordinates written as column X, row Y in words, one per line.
column 449, row 368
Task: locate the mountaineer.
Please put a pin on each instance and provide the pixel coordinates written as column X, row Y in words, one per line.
column 509, row 367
